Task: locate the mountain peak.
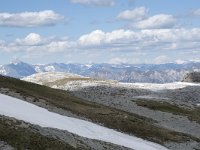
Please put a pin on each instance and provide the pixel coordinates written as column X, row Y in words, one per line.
column 16, row 61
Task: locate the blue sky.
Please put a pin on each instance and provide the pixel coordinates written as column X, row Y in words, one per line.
column 97, row 31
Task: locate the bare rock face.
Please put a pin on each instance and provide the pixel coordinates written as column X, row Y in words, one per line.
column 193, row 77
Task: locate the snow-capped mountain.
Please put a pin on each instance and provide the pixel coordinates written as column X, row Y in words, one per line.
column 151, row 73
column 17, row 69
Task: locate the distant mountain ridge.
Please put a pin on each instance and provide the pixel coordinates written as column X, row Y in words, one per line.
column 17, row 69
column 150, row 73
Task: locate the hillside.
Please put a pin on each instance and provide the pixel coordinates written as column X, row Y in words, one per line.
column 44, row 78
column 39, row 116
column 65, row 103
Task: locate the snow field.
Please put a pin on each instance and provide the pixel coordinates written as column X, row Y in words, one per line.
column 33, row 114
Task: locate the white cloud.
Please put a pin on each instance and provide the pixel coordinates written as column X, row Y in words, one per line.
column 195, row 60
column 161, row 60
column 143, row 40
column 30, row 39
column 94, row 38
column 94, row 2
column 30, row 19
column 136, row 14
column 34, row 42
column 180, row 61
column 117, row 61
column 99, row 37
column 59, row 46
column 161, row 21
column 118, row 41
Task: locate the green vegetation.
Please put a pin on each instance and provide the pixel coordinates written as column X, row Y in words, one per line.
column 24, row 138
column 109, row 117
column 192, row 114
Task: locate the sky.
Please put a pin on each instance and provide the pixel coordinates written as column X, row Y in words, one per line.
column 100, row 31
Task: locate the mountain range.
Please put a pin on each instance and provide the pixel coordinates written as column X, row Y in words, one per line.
column 145, row 73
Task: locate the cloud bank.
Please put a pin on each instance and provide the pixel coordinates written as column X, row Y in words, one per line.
column 117, row 40
column 30, row 19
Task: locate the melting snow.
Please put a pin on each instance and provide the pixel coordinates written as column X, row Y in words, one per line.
column 79, row 84
column 50, row 69
column 151, row 97
column 156, row 87
column 28, row 112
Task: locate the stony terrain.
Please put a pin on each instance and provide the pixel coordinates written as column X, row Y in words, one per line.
column 123, row 99
column 5, row 146
column 69, row 141
column 63, row 102
column 178, row 114
column 162, row 113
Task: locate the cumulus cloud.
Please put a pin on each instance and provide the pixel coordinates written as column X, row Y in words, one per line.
column 126, row 41
column 30, row 39
column 34, row 42
column 136, row 14
column 180, row 61
column 30, row 19
column 94, row 2
column 117, row 61
column 94, row 38
column 59, row 46
column 99, row 38
column 143, row 40
column 160, row 21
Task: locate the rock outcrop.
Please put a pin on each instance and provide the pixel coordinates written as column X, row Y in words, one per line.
column 193, row 77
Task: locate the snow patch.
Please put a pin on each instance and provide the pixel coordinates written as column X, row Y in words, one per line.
column 150, row 97
column 50, row 68
column 28, row 112
column 88, row 65
column 37, row 69
column 157, row 87
column 3, row 71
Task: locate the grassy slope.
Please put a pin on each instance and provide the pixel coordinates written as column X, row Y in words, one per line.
column 110, row 117
column 167, row 107
column 24, row 138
